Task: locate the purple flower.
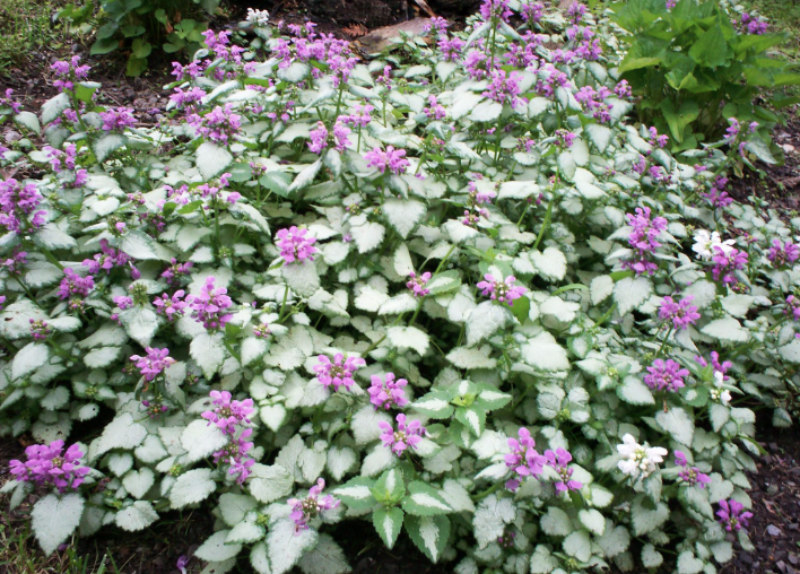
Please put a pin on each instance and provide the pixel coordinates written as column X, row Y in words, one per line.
column 690, row 475
column 228, row 413
column 319, row 138
column 406, row 436
column 18, row 205
column 532, row 12
column 564, row 138
column 387, row 392
column 495, row 9
column 49, row 465
column 171, row 307
column 108, row 259
column 504, row 88
column 68, row 71
column 643, row 239
column 782, row 254
column 524, row 459
column 502, row 291
column 209, row 307
column 339, row 372
column 726, row 262
column 123, row 302
column 731, row 516
column 175, row 270
column 234, row 454
column 434, row 111
column 793, row 307
column 295, row 245
column 118, row 119
column 665, row 375
column 623, row 89
column 219, row 125
column 559, row 460
column 417, row 283
column 717, row 366
column 392, row 158
column 74, row 285
column 39, row 329
column 681, row 313
column 308, row 508
column 154, row 363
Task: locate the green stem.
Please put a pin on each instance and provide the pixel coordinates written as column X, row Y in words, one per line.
column 664, row 341
column 545, row 224
column 283, row 304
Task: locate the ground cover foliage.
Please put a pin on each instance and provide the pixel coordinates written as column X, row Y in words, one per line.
column 452, row 292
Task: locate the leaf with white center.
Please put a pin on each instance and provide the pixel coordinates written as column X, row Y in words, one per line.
column 728, row 330
column 259, row 559
column 122, row 432
column 491, row 518
column 53, row 107
column 140, row 323
column 272, row 415
column 556, row 522
column 138, row 482
column 192, row 487
column 190, row 235
column 646, row 519
column 212, row 160
column 367, row 236
column 458, row 232
column 678, row 424
column 408, row 338
column 602, row 286
column 340, row 460
column 722, row 551
column 151, row 450
column 370, row 299
column 52, row 236
column 433, row 405
column 139, row 245
column 135, row 517
column 302, row 278
column 378, row 460
column 542, row 561
column 401, row 261
column 543, row 353
column 208, row 351
column 106, row 145
column 593, row 520
column 635, row 392
column 365, row 424
column 252, row 348
column 424, row 500
column 790, row 352
column 464, row 104
column 631, row 292
column 486, row 111
column 327, row 557
column 470, row 358
column 296, row 72
column 485, row 320
column 245, row 532
column 402, row 303
column 285, row 545
column 29, row 121
column 719, row 415
column 234, row 507
column 54, row 518
column 120, row 462
column 457, row 496
column 388, row 522
column 310, row 463
column 614, row 541
column 551, row 263
column 688, row 564
column 101, row 357
column 41, row 273
column 215, row 549
column 429, row 534
column 403, row 215
column 269, row 483
column 579, row 545
column 703, row 293
column 599, row 135
column 200, row 439
column 737, row 304
column 28, row 359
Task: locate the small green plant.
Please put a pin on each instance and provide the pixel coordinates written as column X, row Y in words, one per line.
column 136, row 26
column 26, row 28
column 694, row 66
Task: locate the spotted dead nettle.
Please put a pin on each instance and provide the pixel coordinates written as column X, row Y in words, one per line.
column 639, row 461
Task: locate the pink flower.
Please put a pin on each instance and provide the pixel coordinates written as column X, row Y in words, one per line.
column 682, row 314
column 228, row 413
column 392, row 158
column 524, row 459
column 665, row 375
column 502, row 291
column 209, row 307
column 171, row 307
column 295, row 245
column 643, row 240
column 782, row 254
column 154, row 363
column 690, row 475
column 49, row 465
column 387, row 392
column 308, row 508
column 417, row 283
column 731, row 516
column 559, row 460
column 406, row 436
column 339, row 372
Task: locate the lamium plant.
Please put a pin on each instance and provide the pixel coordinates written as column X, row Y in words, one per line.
column 453, row 291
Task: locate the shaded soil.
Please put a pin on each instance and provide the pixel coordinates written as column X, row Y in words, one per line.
column 774, row 529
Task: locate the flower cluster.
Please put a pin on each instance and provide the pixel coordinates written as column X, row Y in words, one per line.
column 295, row 245
column 559, row 460
column 74, row 286
column 716, row 195
column 690, row 475
column 707, row 243
column 219, row 125
column 417, row 283
column 209, row 307
column 504, row 88
column 726, row 263
column 311, row 506
column 408, row 435
column 39, row 329
column 117, row 119
column 257, row 17
column 108, row 259
column 639, row 460
column 782, row 254
column 18, row 205
column 643, row 239
column 682, row 313
column 152, row 364
column 503, row 291
column 391, row 158
column 231, row 417
column 751, row 24
column 386, row 392
column 339, row 372
column 49, row 465
column 171, row 307
column 69, row 71
column 665, row 375
column 524, row 459
column 730, row 515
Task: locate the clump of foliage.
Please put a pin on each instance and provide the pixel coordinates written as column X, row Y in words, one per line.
column 27, row 27
column 137, row 26
column 694, row 64
column 451, row 292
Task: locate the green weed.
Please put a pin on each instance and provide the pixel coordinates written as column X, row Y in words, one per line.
column 27, row 27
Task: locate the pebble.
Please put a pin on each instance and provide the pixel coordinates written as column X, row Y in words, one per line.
column 773, row 530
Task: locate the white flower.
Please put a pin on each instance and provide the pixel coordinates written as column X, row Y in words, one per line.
column 705, row 241
column 719, row 393
column 639, row 460
column 258, row 17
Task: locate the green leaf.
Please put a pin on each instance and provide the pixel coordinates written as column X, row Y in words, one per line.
column 429, row 534
column 634, row 391
column 215, row 549
column 192, row 487
column 138, row 482
column 208, row 351
column 141, row 324
column 327, row 557
column 199, row 439
column 727, row 330
column 408, row 338
column 646, row 518
column 711, row 48
column 556, row 522
column 54, row 518
column 212, row 160
column 135, row 517
column 286, row 546
column 543, row 353
column 631, row 292
column 269, row 483
column 593, row 520
column 53, row 107
column 29, row 358
column 107, row 145
column 356, row 493
column 491, row 517
column 403, row 215
column 678, row 424
column 424, row 500
column 388, row 522
column 28, row 120
column 579, row 545
column 485, row 320
column 390, row 487
column 122, row 432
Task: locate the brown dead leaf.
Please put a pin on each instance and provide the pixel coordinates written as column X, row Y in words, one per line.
column 355, row 30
